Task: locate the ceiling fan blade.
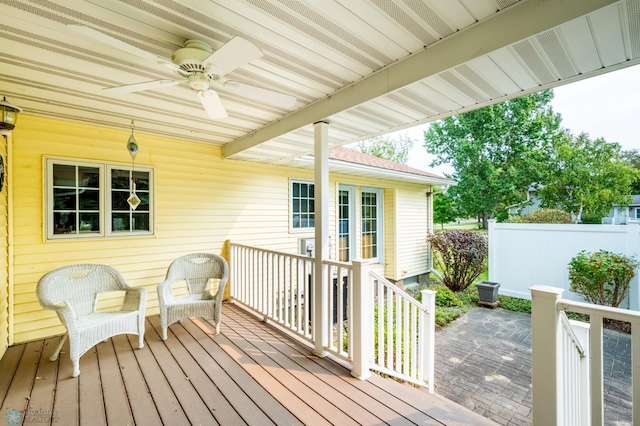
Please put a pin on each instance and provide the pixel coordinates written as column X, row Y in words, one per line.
column 212, row 104
column 232, row 55
column 258, row 93
column 111, row 41
column 137, row 87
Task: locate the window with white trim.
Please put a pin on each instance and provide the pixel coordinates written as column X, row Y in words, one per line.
column 89, row 199
column 371, row 224
column 302, row 205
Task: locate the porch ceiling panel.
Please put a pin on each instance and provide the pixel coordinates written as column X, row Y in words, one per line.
column 368, row 66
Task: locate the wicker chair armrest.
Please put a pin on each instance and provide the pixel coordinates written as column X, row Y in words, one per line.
column 134, row 299
column 164, row 291
column 220, row 293
column 65, row 313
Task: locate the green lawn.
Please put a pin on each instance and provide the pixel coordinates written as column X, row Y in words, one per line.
column 469, row 225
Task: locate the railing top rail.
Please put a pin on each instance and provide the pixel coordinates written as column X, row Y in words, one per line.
column 399, row 291
column 337, row 263
column 279, row 253
column 603, row 311
column 572, row 334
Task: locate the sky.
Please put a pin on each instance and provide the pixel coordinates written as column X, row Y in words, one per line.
column 606, row 106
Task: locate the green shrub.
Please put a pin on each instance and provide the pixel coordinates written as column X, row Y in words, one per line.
column 446, row 297
column 545, row 216
column 446, row 315
column 603, row 277
column 462, row 256
column 515, row 304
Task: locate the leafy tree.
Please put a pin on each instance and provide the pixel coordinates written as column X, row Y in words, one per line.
column 496, row 152
column 443, row 210
column 588, row 178
column 395, row 148
column 632, row 157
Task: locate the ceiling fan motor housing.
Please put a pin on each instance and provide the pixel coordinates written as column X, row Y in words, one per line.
column 190, row 57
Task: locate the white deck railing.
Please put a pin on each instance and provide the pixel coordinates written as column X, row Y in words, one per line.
column 562, row 395
column 274, row 284
column 404, row 333
column 575, row 371
column 281, row 288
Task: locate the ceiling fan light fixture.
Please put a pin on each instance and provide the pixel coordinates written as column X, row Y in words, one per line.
column 233, row 86
column 199, row 81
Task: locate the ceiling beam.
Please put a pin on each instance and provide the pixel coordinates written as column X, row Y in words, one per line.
column 518, row 22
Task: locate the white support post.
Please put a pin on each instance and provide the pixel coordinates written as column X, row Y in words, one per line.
column 633, row 249
column 321, row 225
column 546, row 346
column 427, row 340
column 492, row 258
column 362, row 311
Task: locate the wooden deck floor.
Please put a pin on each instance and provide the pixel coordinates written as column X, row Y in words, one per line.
column 251, row 373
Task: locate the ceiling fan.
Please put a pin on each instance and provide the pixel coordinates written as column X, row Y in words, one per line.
column 198, row 65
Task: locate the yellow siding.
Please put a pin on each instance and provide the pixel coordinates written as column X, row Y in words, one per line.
column 411, row 232
column 4, row 256
column 201, row 200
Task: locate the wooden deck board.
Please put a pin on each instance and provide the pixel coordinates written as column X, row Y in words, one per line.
column 139, row 397
column 335, row 377
column 66, row 404
column 210, row 394
column 264, row 356
column 240, row 379
column 298, row 364
column 227, row 398
column 43, row 392
column 166, row 401
column 117, row 409
column 91, row 399
column 19, row 392
column 251, row 373
column 8, row 365
column 190, row 400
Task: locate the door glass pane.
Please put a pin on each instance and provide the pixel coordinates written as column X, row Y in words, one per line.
column 369, row 225
column 344, row 225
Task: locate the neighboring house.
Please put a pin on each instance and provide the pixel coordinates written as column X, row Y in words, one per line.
column 531, row 204
column 620, row 215
column 192, row 200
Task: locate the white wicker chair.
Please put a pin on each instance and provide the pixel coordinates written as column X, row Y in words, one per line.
column 72, row 291
column 196, row 269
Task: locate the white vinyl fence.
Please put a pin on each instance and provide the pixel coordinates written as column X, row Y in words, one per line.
column 525, row 255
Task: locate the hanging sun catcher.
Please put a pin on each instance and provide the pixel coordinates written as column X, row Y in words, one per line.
column 132, row 147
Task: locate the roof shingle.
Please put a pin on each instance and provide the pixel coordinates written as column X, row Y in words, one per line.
column 357, row 157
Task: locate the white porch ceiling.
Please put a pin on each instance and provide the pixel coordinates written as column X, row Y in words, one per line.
column 367, row 66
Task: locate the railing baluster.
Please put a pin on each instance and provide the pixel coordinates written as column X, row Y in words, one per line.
column 635, row 370
column 380, row 322
column 597, row 388
column 405, row 337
